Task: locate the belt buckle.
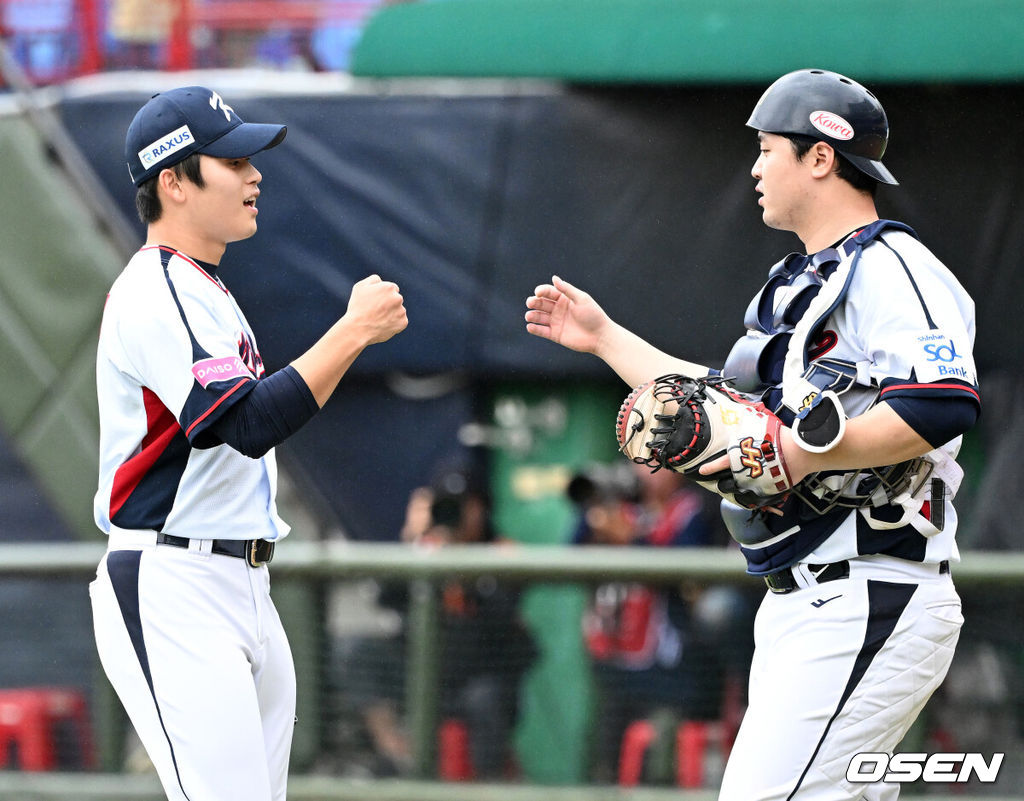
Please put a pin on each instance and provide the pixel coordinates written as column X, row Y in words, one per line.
column 258, row 552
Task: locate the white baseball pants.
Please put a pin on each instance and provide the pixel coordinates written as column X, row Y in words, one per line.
column 840, row 668
column 194, row 647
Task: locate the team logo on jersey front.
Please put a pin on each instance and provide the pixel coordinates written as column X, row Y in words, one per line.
column 249, row 355
column 822, row 345
column 165, row 146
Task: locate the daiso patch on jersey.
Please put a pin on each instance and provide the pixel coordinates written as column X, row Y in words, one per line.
column 207, row 371
column 938, row 356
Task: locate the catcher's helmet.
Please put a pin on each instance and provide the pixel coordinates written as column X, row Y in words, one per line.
column 831, row 108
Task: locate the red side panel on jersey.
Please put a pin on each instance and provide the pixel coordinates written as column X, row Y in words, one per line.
column 153, row 472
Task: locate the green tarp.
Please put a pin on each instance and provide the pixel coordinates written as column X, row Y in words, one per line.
column 701, row 41
column 54, row 274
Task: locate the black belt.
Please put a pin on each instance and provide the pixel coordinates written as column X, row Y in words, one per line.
column 254, row 552
column 784, row 581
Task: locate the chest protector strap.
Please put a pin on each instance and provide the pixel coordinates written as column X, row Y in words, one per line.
column 783, row 322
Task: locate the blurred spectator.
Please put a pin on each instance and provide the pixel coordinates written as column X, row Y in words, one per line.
column 137, row 30
column 368, row 675
column 281, row 42
column 332, row 46
column 304, row 43
column 47, row 36
column 485, row 647
column 41, row 36
column 657, row 652
column 333, row 43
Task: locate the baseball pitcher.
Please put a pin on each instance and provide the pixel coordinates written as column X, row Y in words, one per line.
column 185, row 626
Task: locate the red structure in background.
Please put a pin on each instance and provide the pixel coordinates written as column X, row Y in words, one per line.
column 79, row 30
column 30, row 721
column 248, row 15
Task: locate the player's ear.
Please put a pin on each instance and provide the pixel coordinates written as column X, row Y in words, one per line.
column 170, row 184
column 822, row 159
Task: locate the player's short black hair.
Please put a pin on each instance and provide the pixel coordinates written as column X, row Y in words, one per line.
column 147, row 201
column 844, row 167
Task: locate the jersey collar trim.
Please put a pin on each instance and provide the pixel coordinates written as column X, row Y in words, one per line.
column 206, row 269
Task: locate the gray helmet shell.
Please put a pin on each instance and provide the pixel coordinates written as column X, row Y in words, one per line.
column 831, row 108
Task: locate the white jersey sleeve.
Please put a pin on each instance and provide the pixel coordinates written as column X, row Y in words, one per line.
column 910, row 317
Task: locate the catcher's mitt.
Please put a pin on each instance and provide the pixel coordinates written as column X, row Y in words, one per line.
column 682, row 423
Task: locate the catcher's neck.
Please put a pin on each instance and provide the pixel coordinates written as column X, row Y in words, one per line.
column 836, row 216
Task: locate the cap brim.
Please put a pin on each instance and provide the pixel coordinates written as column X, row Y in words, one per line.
column 246, row 140
column 874, row 169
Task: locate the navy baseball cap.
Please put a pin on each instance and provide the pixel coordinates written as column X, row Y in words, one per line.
column 191, row 119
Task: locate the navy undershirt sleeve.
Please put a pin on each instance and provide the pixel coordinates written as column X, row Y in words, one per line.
column 936, row 420
column 277, row 407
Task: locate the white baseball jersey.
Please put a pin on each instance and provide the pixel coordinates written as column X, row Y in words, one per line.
column 892, row 312
column 175, row 351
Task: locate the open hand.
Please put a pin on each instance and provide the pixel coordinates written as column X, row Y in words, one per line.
column 564, row 314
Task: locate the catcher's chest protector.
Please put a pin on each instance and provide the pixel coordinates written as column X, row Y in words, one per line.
column 780, row 346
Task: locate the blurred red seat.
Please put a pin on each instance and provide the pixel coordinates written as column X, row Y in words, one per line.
column 31, row 720
column 694, row 741
column 636, row 739
column 453, row 760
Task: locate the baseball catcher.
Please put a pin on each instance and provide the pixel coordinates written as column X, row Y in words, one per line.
column 682, row 423
column 833, row 444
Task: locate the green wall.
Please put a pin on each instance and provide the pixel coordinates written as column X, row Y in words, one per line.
column 550, row 432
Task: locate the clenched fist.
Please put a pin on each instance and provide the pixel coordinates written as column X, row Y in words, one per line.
column 376, row 312
column 376, row 307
